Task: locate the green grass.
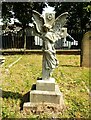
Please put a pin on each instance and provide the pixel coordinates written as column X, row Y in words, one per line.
column 72, row 79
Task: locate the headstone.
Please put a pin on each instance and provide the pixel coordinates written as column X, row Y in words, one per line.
column 86, row 50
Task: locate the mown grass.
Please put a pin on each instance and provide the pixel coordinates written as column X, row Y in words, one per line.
column 72, row 79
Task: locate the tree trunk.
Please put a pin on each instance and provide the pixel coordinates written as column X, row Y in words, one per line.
column 24, row 36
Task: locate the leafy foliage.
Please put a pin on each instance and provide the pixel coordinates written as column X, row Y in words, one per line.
column 72, row 79
column 79, row 12
column 21, row 11
column 6, row 12
column 78, row 16
column 78, row 21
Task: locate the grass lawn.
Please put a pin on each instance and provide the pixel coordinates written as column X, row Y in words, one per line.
column 18, row 78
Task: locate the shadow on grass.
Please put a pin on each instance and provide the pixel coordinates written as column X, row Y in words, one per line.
column 26, row 97
column 23, row 98
column 9, row 94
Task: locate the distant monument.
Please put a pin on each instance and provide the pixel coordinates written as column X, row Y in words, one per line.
column 50, row 30
column 86, row 50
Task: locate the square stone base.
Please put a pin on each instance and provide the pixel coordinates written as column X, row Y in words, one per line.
column 47, row 91
column 38, row 96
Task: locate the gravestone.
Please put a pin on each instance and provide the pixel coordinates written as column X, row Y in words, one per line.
column 86, row 50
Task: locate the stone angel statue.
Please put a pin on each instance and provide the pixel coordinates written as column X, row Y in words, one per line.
column 49, row 34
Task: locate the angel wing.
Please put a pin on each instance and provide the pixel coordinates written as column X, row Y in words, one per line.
column 59, row 22
column 38, row 21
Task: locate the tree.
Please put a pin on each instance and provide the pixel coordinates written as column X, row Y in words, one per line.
column 21, row 11
column 6, row 12
column 78, row 20
column 79, row 16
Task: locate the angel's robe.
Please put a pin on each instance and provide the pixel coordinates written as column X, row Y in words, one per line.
column 49, row 55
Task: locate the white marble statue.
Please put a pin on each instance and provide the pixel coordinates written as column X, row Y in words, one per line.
column 49, row 34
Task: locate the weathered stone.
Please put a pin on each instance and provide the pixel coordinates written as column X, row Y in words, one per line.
column 86, row 50
column 39, row 108
column 49, row 30
column 49, row 18
column 38, row 96
column 46, row 85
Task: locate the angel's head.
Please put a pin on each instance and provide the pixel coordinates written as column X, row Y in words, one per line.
column 47, row 27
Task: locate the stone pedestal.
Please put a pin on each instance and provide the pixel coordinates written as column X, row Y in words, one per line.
column 38, row 96
column 47, row 91
column 45, row 85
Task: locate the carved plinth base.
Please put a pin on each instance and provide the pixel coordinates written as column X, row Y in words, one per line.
column 38, row 96
column 46, row 92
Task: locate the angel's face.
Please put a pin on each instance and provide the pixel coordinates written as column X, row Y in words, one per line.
column 49, row 16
